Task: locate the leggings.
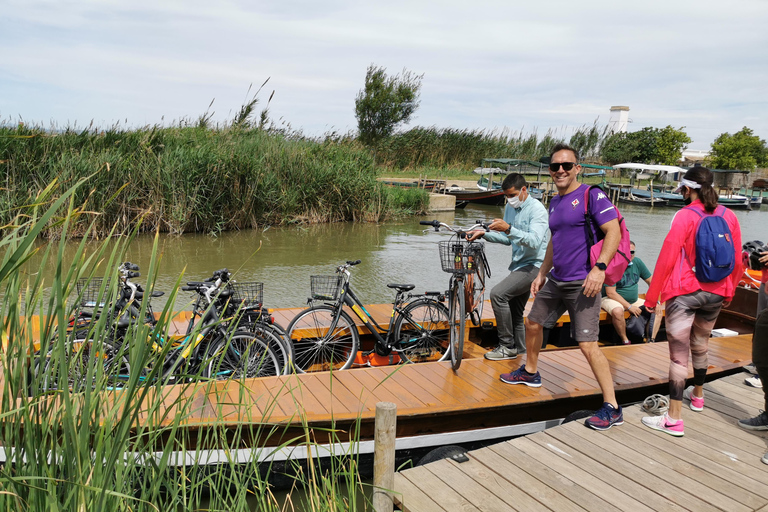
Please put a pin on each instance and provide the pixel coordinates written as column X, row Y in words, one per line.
column 690, row 319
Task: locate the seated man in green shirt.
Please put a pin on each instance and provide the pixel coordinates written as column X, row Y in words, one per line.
column 623, row 297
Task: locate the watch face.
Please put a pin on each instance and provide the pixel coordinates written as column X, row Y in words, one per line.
column 601, row 266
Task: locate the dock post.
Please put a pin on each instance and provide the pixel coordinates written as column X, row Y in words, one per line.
column 384, row 456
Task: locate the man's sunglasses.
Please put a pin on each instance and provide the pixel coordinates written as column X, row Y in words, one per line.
column 631, row 252
column 567, row 166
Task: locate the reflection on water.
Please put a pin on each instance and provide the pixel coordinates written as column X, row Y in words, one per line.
column 395, row 252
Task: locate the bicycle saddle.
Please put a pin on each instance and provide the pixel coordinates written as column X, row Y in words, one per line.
column 402, row 287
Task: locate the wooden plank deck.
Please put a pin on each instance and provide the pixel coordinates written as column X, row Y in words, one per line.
column 715, row 466
column 431, row 398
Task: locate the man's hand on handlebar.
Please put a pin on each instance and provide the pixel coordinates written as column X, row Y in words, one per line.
column 474, row 235
column 499, row 225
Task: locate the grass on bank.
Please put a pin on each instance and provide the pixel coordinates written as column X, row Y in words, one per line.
column 107, row 448
column 195, row 179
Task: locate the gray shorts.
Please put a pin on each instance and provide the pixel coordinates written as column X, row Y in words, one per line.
column 557, row 297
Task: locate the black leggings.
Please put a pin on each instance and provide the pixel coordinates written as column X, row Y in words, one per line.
column 760, row 351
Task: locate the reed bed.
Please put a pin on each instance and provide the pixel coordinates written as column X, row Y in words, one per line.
column 195, row 179
column 107, row 448
column 449, row 148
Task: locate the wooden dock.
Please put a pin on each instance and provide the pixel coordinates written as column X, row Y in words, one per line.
column 715, row 466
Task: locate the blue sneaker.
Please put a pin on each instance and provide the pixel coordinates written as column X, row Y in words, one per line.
column 605, row 417
column 520, row 376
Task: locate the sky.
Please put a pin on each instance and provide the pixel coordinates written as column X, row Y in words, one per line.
column 502, row 66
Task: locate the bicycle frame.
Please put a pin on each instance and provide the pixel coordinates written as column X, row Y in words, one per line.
column 383, row 337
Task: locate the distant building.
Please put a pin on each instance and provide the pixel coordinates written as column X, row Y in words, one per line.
column 619, row 120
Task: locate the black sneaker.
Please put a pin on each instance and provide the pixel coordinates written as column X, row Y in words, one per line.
column 759, row 422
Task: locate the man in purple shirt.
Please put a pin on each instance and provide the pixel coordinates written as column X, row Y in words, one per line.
column 573, row 284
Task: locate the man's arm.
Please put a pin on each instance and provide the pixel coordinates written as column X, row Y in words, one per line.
column 546, row 266
column 594, row 281
column 612, row 293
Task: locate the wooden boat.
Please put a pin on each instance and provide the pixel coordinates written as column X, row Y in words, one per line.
column 493, row 197
column 435, row 405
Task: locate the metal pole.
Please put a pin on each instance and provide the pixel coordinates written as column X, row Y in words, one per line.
column 384, row 456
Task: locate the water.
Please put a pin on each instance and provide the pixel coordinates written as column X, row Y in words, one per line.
column 402, row 251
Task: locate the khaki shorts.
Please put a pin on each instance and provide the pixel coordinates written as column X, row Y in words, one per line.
column 555, row 297
column 609, row 304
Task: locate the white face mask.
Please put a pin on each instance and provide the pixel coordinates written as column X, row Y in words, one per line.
column 514, row 202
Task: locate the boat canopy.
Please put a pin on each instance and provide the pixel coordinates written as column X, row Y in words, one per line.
column 650, row 168
column 664, row 172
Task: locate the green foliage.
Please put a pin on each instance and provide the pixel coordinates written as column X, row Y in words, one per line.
column 191, row 178
column 741, row 151
column 385, row 103
column 102, row 448
column 649, row 146
column 462, row 150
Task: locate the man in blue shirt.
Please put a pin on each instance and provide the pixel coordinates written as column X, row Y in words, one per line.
column 524, row 227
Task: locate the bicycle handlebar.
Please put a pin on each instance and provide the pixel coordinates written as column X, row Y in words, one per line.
column 461, row 232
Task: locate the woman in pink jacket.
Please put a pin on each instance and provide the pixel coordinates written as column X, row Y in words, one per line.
column 691, row 306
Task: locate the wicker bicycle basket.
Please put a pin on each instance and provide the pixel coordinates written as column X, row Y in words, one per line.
column 459, row 256
column 247, row 293
column 325, row 287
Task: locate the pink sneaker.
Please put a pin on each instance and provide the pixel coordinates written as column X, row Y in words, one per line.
column 665, row 424
column 697, row 403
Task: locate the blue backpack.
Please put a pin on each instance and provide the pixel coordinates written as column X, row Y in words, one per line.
column 715, row 252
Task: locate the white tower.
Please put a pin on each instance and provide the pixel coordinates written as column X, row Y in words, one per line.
column 619, row 119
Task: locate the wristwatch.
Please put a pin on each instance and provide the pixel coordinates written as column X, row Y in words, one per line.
column 601, row 266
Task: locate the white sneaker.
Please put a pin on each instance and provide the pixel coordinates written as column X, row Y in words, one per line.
column 665, row 424
column 751, row 369
column 755, row 382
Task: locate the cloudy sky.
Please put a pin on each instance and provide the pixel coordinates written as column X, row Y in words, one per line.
column 493, row 65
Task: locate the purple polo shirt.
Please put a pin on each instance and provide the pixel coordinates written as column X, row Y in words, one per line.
column 569, row 237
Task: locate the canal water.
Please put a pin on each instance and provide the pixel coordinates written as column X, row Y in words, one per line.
column 400, row 251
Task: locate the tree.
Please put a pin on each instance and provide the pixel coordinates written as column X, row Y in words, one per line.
column 741, row 151
column 648, row 146
column 619, row 148
column 385, row 103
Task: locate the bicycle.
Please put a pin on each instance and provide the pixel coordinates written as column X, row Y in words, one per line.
column 324, row 336
column 211, row 347
column 245, row 306
column 97, row 296
column 465, row 261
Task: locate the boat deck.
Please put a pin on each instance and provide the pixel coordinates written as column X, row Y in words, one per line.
column 430, row 397
column 715, row 466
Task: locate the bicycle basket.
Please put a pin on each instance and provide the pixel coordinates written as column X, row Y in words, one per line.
column 247, row 293
column 325, row 287
column 88, row 291
column 459, row 256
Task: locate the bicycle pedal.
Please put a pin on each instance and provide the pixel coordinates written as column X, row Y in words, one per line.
column 487, row 326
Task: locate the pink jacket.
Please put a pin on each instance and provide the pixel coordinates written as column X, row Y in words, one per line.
column 673, row 274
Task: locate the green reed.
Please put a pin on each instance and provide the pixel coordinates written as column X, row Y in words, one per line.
column 195, row 179
column 105, row 447
column 451, row 148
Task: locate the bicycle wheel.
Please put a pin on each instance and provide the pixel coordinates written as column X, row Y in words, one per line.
column 456, row 321
column 81, row 359
column 316, row 347
column 421, row 333
column 278, row 344
column 242, row 355
column 474, row 292
column 275, row 337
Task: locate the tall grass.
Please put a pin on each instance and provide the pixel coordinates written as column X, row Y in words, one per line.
column 106, row 448
column 194, row 179
column 455, row 148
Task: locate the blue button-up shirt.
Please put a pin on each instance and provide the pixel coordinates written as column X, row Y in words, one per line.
column 528, row 233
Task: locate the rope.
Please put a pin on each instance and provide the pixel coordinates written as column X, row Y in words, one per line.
column 656, row 404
